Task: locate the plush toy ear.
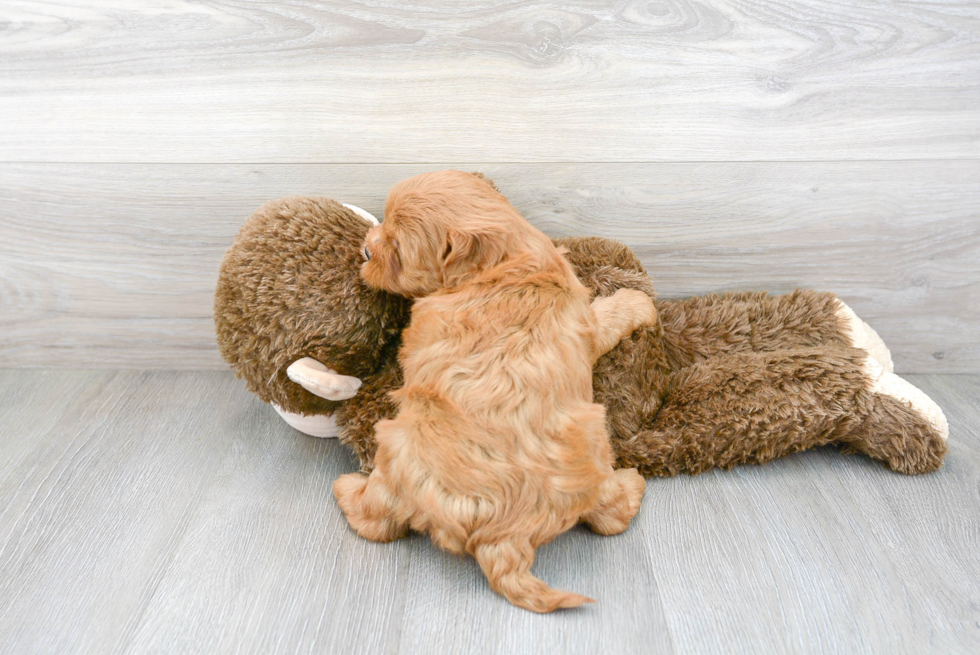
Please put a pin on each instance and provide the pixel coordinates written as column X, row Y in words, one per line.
column 366, row 215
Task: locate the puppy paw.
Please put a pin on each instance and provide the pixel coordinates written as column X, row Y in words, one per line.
column 349, row 489
column 634, row 485
column 639, row 307
column 367, row 510
column 619, row 501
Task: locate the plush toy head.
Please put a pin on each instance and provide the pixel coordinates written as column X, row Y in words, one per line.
column 289, row 289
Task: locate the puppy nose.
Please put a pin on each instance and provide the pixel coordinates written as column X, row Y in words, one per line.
column 367, row 253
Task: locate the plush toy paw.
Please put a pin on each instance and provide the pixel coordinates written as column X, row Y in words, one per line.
column 863, row 336
column 322, row 381
column 888, row 384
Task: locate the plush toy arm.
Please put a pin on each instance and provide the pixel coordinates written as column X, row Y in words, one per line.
column 322, row 381
column 619, row 315
column 605, row 266
column 755, row 407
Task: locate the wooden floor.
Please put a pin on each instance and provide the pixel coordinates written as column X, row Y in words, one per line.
column 173, row 512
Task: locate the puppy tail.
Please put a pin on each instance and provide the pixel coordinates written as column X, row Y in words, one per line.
column 507, row 566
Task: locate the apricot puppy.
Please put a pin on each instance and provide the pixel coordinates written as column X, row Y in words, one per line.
column 497, row 447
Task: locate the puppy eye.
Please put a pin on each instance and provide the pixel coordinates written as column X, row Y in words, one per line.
column 367, row 253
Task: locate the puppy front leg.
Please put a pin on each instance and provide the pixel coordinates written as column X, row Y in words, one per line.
column 370, row 506
column 619, row 315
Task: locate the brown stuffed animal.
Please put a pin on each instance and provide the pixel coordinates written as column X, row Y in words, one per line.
column 748, row 377
column 723, row 380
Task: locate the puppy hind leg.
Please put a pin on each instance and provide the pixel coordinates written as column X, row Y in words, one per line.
column 618, row 502
column 369, row 506
column 507, row 565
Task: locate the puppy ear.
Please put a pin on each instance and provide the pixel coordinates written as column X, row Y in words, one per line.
column 467, row 252
column 459, row 247
column 481, row 176
column 395, row 259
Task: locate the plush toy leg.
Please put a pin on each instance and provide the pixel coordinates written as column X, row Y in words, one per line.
column 861, row 335
column 904, row 427
column 756, row 407
column 321, row 381
column 705, row 326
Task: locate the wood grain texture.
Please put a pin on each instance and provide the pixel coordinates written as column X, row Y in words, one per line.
column 268, row 564
column 585, row 80
column 172, row 512
column 451, row 608
column 97, row 503
column 114, row 265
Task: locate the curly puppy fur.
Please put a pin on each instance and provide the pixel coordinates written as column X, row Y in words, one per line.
column 296, row 262
column 497, row 447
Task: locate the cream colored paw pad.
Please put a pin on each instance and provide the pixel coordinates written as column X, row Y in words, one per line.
column 888, row 384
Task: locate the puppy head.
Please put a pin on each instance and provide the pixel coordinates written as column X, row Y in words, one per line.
column 438, row 229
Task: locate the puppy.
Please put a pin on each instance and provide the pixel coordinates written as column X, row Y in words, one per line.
column 497, row 447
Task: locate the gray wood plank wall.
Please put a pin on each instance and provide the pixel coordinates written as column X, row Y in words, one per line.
column 583, row 80
column 734, row 145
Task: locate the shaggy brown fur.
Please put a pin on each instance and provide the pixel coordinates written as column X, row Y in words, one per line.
column 497, row 447
column 742, row 378
column 289, row 287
